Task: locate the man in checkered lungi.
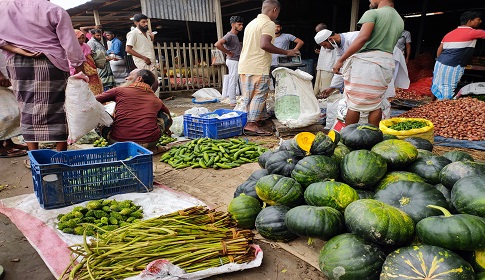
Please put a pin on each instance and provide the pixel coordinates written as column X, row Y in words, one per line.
column 37, row 53
column 254, row 65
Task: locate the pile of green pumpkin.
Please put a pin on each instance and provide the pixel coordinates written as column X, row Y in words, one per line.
column 387, row 208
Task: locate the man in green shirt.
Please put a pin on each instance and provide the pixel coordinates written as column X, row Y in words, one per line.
column 369, row 64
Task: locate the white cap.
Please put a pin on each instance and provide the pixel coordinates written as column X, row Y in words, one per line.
column 322, row 36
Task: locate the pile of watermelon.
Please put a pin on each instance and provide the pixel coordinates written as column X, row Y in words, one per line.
column 388, row 208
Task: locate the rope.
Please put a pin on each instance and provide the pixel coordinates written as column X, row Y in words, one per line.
column 136, row 177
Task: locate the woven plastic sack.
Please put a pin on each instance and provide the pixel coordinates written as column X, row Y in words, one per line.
column 426, row 132
column 295, row 103
column 9, row 114
column 84, row 113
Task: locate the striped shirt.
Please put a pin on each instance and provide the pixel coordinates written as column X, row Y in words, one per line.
column 459, row 45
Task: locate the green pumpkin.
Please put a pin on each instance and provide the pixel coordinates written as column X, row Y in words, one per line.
column 330, row 193
column 424, row 153
column 475, row 258
column 394, row 176
column 420, row 143
column 378, row 222
column 361, row 136
column 455, row 232
column 460, row 169
column 244, row 210
column 457, row 155
column 425, row 262
column 270, row 223
column 447, row 194
column 315, row 222
column 322, row 145
column 397, row 153
column 248, row 187
column 468, row 195
column 264, row 157
column 285, row 145
column 363, row 194
column 315, row 168
column 349, row 257
column 412, row 198
column 388, row 136
column 340, row 151
column 362, row 169
column 429, row 168
column 258, row 174
column 279, row 190
column 282, row 163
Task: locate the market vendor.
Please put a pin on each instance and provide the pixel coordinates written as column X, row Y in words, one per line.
column 140, row 116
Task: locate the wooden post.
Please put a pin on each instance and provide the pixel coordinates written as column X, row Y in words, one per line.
column 422, row 24
column 218, row 13
column 149, row 25
column 220, row 32
column 354, row 13
column 97, row 20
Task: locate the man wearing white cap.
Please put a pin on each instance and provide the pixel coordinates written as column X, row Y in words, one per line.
column 326, row 60
column 337, row 43
column 369, row 70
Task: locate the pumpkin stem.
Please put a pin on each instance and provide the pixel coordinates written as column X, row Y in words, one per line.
column 310, row 241
column 445, row 211
column 404, row 200
column 367, row 127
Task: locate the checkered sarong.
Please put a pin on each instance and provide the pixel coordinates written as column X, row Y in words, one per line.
column 40, row 90
column 254, row 91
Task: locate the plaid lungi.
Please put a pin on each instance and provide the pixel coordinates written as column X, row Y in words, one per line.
column 254, row 92
column 40, row 90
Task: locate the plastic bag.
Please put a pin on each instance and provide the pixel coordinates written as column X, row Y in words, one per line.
column 217, row 57
column 473, row 88
column 83, row 112
column 177, row 127
column 196, row 111
column 163, row 269
column 295, row 103
column 206, row 94
column 342, row 111
column 9, row 114
column 426, row 132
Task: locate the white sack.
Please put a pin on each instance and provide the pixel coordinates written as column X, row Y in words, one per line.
column 9, row 114
column 295, row 103
column 83, row 112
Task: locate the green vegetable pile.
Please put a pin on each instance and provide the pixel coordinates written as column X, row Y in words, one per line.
column 99, row 214
column 206, row 152
column 165, row 139
column 194, row 239
column 101, row 142
column 408, row 125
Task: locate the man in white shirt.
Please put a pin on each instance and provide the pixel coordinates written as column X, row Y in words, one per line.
column 139, row 44
column 326, row 60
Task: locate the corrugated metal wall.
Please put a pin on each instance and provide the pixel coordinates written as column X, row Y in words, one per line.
column 190, row 10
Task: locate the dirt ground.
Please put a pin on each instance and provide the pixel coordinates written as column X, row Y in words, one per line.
column 214, row 187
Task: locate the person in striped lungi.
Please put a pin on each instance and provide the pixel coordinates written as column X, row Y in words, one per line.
column 37, row 57
column 454, row 53
column 370, row 66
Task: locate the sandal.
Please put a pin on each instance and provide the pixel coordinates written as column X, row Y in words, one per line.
column 13, row 153
column 258, row 132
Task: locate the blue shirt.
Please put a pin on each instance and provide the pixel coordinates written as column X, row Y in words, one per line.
column 116, row 47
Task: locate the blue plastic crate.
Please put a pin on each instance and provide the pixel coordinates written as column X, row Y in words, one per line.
column 69, row 177
column 202, row 126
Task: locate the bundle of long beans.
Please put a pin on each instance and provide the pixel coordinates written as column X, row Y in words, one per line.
column 194, row 239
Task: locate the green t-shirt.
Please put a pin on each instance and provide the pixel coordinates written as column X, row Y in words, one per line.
column 388, row 27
